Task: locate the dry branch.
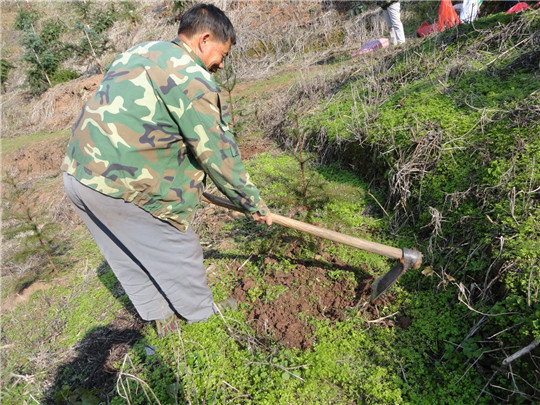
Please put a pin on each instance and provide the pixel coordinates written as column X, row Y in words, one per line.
column 521, row 352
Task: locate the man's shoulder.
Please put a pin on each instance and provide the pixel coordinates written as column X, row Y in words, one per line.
column 176, row 63
column 148, row 53
column 151, row 46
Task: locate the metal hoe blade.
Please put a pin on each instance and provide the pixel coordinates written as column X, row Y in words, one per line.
column 411, row 259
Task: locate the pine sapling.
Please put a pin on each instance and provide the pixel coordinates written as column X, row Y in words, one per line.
column 38, row 242
column 227, row 81
column 299, row 136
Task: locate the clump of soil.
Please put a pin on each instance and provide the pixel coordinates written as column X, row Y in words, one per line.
column 305, row 292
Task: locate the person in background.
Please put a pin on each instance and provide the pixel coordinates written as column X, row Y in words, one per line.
column 392, row 16
column 138, row 160
column 458, row 7
column 469, row 11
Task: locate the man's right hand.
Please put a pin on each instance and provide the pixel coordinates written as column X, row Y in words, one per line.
column 263, row 219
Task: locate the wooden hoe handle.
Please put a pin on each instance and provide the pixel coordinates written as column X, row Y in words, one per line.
column 373, row 247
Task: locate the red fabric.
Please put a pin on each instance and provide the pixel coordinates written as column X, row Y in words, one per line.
column 447, row 18
column 447, row 15
column 518, row 7
column 426, row 29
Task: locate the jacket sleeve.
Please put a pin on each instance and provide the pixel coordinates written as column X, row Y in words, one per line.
column 212, row 144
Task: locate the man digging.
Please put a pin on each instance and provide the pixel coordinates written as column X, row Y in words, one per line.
column 137, row 162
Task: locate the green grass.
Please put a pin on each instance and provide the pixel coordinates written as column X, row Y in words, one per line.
column 11, row 145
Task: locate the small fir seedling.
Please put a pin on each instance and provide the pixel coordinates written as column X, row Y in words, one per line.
column 227, row 81
column 39, row 244
column 299, row 136
column 5, row 67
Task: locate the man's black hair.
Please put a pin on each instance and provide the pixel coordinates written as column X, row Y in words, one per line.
column 207, row 17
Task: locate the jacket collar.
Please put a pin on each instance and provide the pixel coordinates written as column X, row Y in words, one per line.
column 190, row 52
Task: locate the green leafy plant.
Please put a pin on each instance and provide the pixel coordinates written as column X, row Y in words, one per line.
column 179, row 6
column 26, row 17
column 43, row 62
column 44, row 52
column 453, row 156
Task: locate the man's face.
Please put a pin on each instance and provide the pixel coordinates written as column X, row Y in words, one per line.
column 213, row 53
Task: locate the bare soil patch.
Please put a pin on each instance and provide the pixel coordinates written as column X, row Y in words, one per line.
column 253, row 146
column 306, row 292
column 54, row 110
column 11, row 302
column 43, row 158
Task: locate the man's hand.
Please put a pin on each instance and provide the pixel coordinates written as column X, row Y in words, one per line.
column 263, row 219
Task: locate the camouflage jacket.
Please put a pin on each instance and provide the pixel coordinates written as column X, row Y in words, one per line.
column 152, row 133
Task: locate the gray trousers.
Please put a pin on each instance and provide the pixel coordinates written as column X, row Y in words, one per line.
column 393, row 21
column 160, row 268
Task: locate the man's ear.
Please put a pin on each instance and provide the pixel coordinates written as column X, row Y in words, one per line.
column 204, row 39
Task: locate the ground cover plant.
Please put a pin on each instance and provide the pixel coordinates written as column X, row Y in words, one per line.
column 418, row 138
column 432, row 145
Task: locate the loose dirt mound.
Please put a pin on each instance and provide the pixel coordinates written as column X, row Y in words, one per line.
column 54, row 110
column 62, row 104
column 306, row 292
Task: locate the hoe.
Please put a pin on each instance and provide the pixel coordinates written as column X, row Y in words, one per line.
column 408, row 258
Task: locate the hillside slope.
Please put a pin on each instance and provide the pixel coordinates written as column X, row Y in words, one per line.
column 432, row 145
column 448, row 130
